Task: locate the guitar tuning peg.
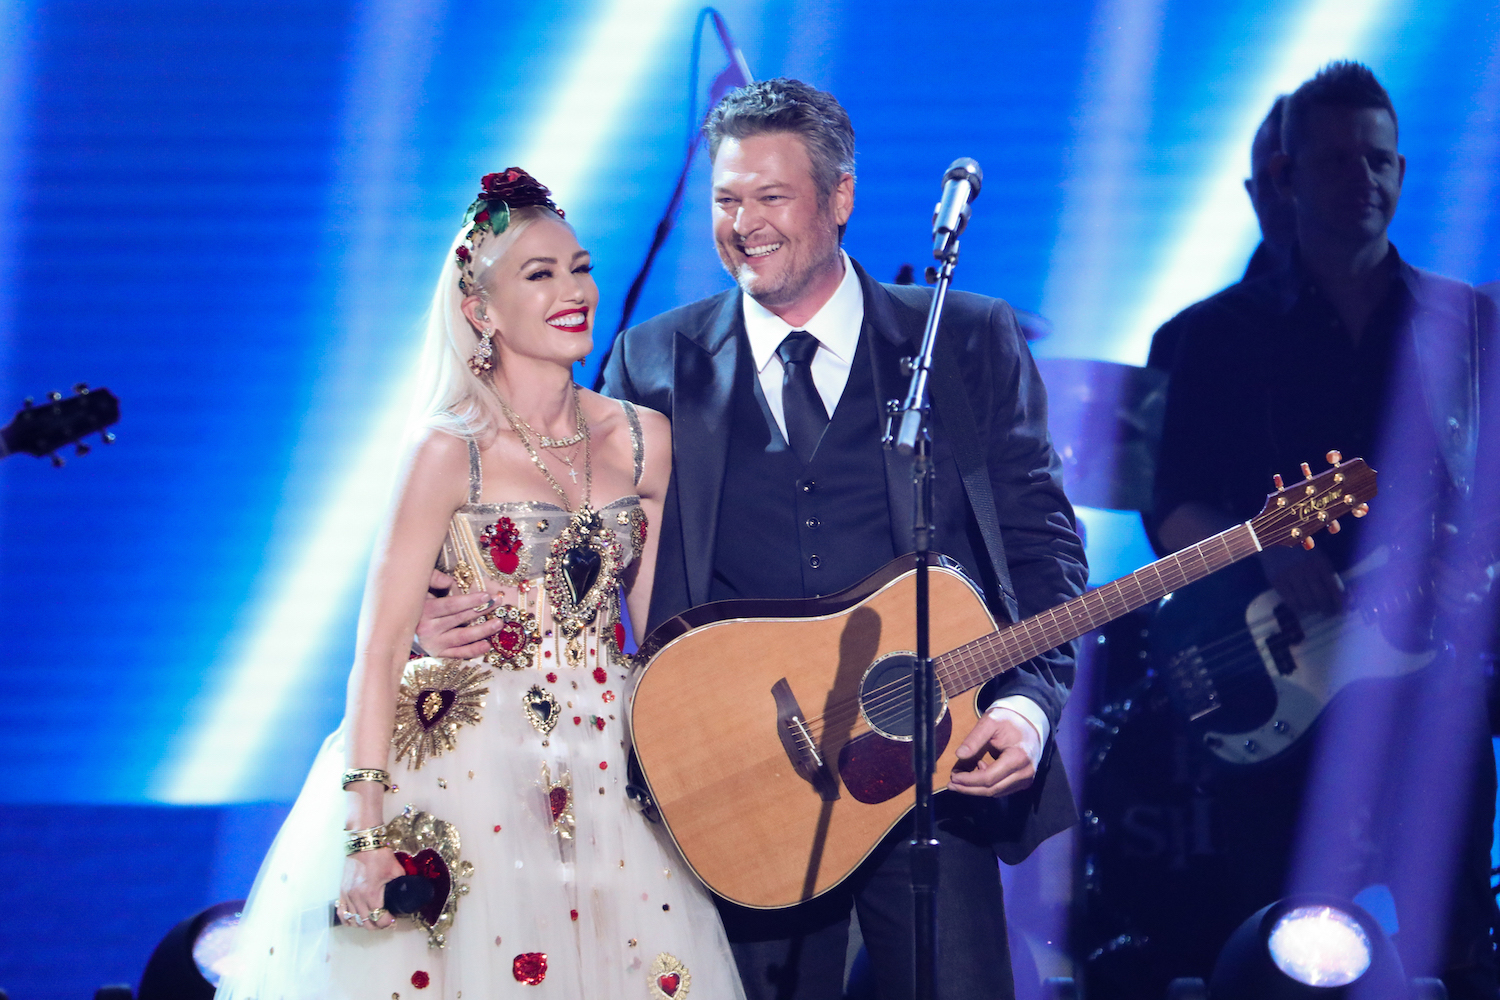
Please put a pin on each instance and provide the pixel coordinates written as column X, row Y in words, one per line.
column 57, row 462
column 82, row 388
column 80, row 449
column 1333, row 527
column 1307, row 543
column 1361, row 510
column 1276, row 481
column 1334, row 458
column 1306, row 471
column 54, row 395
column 108, row 437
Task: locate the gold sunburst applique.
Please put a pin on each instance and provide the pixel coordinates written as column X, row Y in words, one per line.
column 437, row 697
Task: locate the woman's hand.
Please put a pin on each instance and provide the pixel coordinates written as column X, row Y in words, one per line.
column 363, row 891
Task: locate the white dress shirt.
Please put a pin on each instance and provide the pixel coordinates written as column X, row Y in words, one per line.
column 836, row 326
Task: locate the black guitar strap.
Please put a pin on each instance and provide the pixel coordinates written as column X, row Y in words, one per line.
column 951, row 399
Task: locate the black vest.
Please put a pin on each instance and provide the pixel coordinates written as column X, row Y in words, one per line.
column 793, row 530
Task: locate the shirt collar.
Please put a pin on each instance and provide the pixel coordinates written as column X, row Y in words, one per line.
column 1294, row 281
column 836, row 325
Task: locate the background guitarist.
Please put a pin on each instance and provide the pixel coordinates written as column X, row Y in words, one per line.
column 1348, row 347
column 781, row 490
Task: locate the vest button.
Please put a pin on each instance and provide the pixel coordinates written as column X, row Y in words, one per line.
column 814, row 561
column 813, row 522
column 808, row 485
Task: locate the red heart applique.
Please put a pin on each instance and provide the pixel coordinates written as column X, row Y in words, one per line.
column 510, row 637
column 432, row 705
column 430, row 865
column 669, row 983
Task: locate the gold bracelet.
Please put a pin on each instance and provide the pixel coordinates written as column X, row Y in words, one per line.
column 357, row 841
column 366, row 774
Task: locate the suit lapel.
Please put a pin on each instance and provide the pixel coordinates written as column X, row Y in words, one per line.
column 893, row 332
column 703, row 362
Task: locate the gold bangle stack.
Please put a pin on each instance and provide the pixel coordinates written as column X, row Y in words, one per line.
column 372, row 839
column 366, row 774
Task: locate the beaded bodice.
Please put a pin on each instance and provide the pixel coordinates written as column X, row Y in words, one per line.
column 561, row 570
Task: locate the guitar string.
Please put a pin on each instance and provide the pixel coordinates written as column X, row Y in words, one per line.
column 1053, row 625
column 969, row 668
column 1048, row 627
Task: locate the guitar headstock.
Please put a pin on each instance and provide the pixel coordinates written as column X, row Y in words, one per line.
column 1293, row 514
column 41, row 429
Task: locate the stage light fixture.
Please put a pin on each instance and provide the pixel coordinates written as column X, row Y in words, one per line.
column 1320, row 946
column 1309, row 946
column 194, row 955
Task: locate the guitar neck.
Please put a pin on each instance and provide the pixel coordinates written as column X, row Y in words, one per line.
column 973, row 664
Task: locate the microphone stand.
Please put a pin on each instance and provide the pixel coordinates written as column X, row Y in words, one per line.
column 907, row 431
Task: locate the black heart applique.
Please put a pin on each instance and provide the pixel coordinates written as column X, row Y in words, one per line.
column 581, row 570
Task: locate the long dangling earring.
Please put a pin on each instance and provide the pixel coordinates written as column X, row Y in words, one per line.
column 479, row 362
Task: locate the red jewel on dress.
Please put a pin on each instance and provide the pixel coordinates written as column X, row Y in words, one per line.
column 574, row 913
column 600, row 675
column 503, row 540
column 609, row 696
column 619, row 636
column 577, row 719
column 551, row 678
column 599, row 723
column 497, row 827
column 547, row 653
column 669, row 983
column 604, row 765
column 529, row 967
column 420, row 979
column 557, row 798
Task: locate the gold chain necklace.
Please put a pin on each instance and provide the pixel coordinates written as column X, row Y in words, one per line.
column 521, row 428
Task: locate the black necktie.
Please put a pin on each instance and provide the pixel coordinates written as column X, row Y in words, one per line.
column 801, row 406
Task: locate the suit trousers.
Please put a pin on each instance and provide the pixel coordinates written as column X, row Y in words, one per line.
column 799, row 953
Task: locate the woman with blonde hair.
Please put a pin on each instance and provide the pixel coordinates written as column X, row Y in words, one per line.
column 496, row 785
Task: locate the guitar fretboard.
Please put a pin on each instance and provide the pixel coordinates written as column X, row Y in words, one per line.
column 973, row 664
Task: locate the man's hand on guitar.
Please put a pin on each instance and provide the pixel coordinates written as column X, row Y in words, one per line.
column 998, row 756
column 445, row 630
column 1305, row 580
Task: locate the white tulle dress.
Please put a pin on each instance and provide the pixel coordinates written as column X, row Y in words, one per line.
column 511, row 781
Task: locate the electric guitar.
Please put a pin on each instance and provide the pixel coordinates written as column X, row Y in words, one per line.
column 1255, row 675
column 41, row 430
column 775, row 736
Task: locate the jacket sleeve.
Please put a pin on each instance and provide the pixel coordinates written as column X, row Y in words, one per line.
column 1037, row 525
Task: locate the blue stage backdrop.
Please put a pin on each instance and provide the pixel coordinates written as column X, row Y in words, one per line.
column 232, row 214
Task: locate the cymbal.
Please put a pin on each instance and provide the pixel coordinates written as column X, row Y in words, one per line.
column 1105, row 420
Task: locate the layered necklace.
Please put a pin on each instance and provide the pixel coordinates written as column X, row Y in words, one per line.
column 585, row 559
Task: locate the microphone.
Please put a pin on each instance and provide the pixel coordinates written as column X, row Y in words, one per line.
column 960, row 188
column 403, row 894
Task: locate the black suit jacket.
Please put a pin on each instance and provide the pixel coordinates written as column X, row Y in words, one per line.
column 682, row 364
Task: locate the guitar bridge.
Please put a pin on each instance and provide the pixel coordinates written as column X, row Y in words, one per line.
column 797, row 740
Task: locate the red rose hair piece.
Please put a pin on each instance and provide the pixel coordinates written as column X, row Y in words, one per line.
column 489, row 215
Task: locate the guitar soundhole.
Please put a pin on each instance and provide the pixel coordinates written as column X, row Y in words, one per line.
column 885, row 697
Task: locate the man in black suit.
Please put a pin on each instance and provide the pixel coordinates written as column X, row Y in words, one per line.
column 781, row 489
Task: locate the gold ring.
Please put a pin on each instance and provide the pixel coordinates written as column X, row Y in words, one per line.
column 376, row 914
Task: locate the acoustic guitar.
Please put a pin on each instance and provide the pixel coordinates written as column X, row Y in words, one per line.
column 775, row 736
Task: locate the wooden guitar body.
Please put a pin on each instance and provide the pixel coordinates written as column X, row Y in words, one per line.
column 775, row 736
column 711, row 720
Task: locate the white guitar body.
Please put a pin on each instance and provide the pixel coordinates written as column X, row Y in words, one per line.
column 1333, row 652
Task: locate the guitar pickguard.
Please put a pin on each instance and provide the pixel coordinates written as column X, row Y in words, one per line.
column 875, row 769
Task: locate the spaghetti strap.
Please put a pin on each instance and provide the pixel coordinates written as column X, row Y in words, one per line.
column 637, row 446
column 476, row 477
